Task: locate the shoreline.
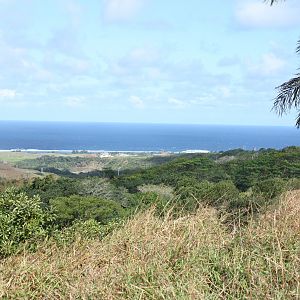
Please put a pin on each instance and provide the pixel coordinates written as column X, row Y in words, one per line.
column 79, row 151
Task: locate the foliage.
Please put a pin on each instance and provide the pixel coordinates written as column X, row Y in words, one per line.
column 74, row 208
column 84, row 230
column 293, row 184
column 102, row 188
column 162, row 190
column 50, row 187
column 215, row 194
column 21, row 219
column 241, row 186
column 245, row 170
column 75, row 163
column 3, row 184
column 270, row 188
column 201, row 226
column 144, row 200
column 192, row 257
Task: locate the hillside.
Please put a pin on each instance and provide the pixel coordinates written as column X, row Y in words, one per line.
column 205, row 226
column 9, row 172
column 192, row 257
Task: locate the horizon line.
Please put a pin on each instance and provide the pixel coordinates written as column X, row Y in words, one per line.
column 146, row 123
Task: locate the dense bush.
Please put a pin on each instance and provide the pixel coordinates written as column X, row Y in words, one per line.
column 161, row 190
column 74, row 208
column 245, row 170
column 102, row 188
column 270, row 188
column 50, row 187
column 144, row 200
column 84, row 230
column 191, row 194
column 21, row 219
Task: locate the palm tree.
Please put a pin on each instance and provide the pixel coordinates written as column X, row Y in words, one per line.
column 289, row 92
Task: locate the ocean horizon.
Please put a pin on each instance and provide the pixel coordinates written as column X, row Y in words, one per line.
column 137, row 137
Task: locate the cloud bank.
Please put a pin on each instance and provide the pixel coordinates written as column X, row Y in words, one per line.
column 122, row 10
column 257, row 14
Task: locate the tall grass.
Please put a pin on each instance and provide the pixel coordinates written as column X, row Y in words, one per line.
column 192, row 257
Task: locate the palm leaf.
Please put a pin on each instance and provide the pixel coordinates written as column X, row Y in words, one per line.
column 289, row 97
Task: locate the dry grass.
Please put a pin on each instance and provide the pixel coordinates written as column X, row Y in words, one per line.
column 10, row 173
column 193, row 257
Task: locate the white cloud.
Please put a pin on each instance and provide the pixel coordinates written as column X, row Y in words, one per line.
column 257, row 14
column 270, row 64
column 12, row 98
column 229, row 61
column 139, row 62
column 176, row 103
column 122, row 10
column 137, row 102
column 225, row 91
column 6, row 93
column 74, row 102
column 144, row 55
column 75, row 11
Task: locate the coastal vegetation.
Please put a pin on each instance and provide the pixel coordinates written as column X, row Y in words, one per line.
column 214, row 226
column 87, row 162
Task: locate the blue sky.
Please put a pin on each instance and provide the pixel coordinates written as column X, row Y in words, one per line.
column 158, row 61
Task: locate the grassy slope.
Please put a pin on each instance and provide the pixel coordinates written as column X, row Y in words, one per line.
column 9, row 172
column 85, row 162
column 15, row 157
column 193, row 257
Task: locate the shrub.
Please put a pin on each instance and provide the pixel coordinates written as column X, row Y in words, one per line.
column 216, row 194
column 21, row 219
column 162, row 190
column 270, row 188
column 73, row 208
column 102, row 188
column 86, row 230
column 145, row 200
column 293, row 184
column 223, row 192
column 50, row 187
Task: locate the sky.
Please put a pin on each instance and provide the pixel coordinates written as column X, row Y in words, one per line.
column 149, row 61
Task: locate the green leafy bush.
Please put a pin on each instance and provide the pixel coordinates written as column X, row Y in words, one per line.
column 216, row 194
column 270, row 188
column 89, row 229
column 144, row 200
column 21, row 219
column 75, row 208
column 50, row 187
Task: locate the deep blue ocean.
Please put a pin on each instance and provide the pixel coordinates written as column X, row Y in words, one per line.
column 142, row 137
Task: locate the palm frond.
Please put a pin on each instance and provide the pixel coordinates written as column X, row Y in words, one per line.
column 289, row 92
column 272, row 1
column 288, row 97
column 298, row 47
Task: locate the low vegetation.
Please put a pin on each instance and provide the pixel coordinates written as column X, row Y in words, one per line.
column 216, row 226
column 84, row 163
column 192, row 257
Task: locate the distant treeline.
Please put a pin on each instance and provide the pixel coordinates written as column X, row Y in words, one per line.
column 243, row 168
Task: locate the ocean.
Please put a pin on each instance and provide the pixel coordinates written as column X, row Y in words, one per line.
column 142, row 137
